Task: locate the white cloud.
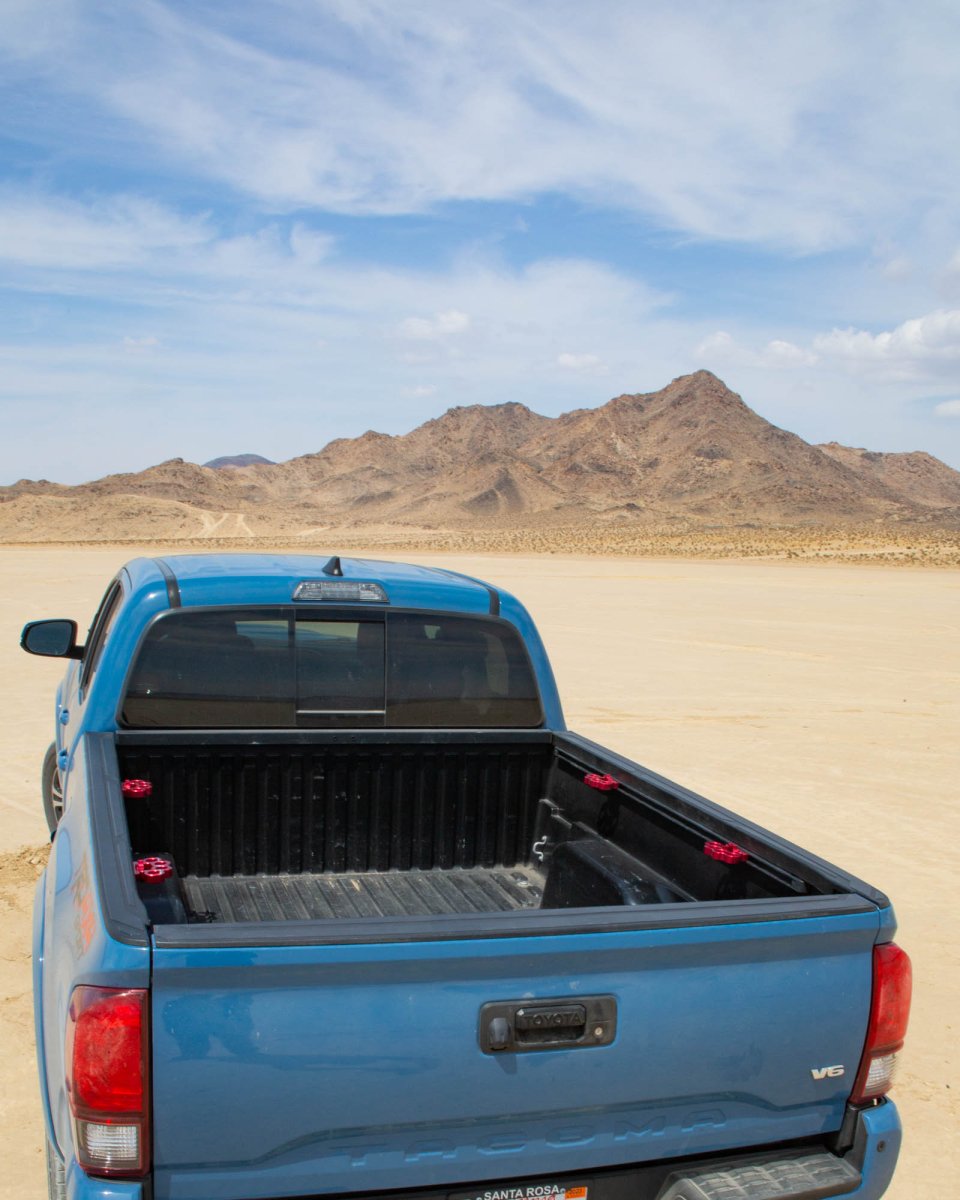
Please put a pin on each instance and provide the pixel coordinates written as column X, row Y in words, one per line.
column 420, row 392
column 948, row 408
column 926, row 346
column 719, row 345
column 308, row 246
column 73, row 245
column 771, row 123
column 721, row 349
column 589, row 364
column 120, row 231
column 778, row 353
column 429, row 329
column 897, row 269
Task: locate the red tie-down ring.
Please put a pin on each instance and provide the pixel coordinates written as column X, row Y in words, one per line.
column 726, row 852
column 602, row 783
column 136, row 789
column 152, row 869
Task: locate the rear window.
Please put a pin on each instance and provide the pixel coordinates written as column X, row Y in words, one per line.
column 284, row 669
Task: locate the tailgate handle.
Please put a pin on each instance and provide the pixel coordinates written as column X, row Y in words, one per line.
column 519, row 1026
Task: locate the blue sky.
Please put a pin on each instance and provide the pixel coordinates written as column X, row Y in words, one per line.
column 258, row 226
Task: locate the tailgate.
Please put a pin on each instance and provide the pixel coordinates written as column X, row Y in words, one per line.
column 285, row 1070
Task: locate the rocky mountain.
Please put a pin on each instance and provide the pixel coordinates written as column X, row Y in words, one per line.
column 693, row 453
column 238, row 460
column 916, row 475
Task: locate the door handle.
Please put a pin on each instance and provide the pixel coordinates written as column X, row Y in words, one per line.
column 520, row 1026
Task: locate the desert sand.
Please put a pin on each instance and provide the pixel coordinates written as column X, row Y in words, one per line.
column 818, row 699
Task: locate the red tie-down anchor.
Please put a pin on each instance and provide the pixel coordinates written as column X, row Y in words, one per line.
column 136, row 789
column 152, row 869
column 602, row 783
column 726, row 852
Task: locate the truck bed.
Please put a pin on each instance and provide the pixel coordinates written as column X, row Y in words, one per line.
column 413, row 893
column 261, row 828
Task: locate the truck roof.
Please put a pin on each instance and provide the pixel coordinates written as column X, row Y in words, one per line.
column 202, row 579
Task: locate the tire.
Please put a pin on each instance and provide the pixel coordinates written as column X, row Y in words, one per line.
column 51, row 789
column 56, row 1175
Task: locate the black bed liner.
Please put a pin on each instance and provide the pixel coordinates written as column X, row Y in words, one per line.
column 413, row 893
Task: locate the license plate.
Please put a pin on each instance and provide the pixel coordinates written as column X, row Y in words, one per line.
column 527, row 1191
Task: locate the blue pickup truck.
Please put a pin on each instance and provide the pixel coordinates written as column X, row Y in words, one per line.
column 337, row 906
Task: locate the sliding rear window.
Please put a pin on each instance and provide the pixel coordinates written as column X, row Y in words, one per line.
column 295, row 669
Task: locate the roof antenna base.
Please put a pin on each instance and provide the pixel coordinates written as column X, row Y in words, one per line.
column 332, row 567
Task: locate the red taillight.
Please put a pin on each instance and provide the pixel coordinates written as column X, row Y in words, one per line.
column 107, row 1056
column 889, row 1013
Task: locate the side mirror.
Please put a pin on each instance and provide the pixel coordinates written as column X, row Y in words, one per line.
column 51, row 639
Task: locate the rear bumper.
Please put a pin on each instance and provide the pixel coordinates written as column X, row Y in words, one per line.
column 876, row 1149
column 872, row 1158
column 864, row 1172
column 81, row 1187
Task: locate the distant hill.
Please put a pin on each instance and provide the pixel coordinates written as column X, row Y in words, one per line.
column 916, row 475
column 238, row 460
column 693, row 454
